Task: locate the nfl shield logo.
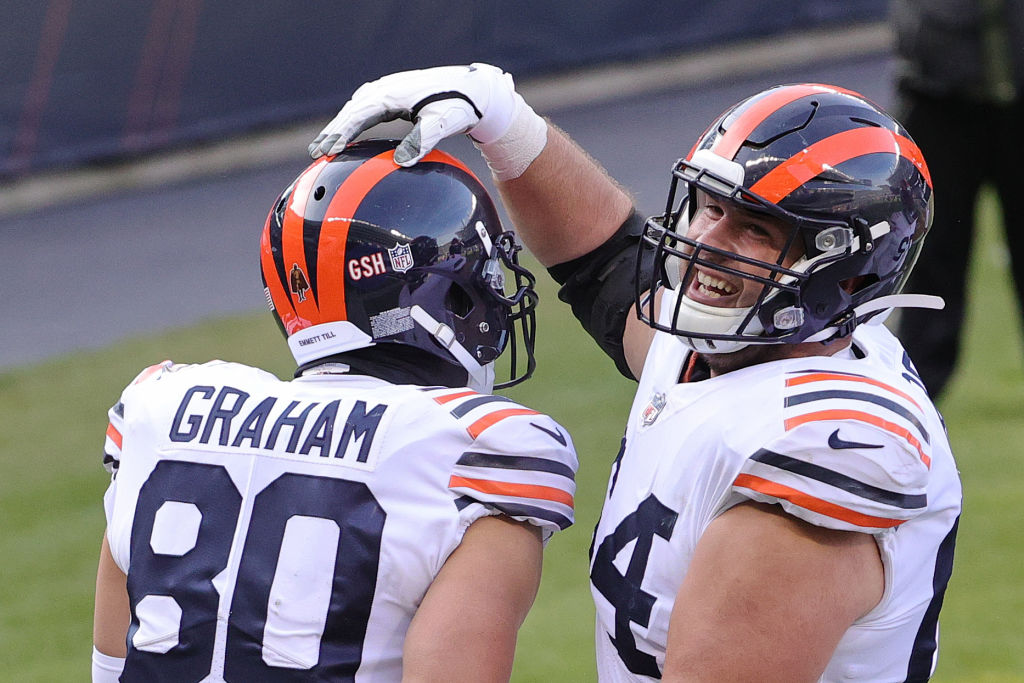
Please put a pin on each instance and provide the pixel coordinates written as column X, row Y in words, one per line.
column 653, row 409
column 401, row 257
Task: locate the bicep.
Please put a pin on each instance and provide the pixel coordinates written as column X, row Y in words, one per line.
column 768, row 597
column 466, row 626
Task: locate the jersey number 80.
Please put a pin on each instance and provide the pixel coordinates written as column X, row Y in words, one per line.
column 333, row 526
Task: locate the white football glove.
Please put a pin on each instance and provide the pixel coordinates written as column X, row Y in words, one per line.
column 478, row 99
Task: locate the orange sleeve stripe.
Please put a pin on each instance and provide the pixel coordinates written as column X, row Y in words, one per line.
column 451, row 397
column 478, row 427
column 114, row 435
column 502, row 488
column 822, row 507
column 826, row 376
column 825, row 415
column 150, row 371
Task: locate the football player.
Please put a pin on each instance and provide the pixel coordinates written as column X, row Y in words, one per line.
column 381, row 516
column 785, row 502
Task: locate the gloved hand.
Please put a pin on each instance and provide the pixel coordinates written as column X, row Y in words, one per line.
column 478, row 99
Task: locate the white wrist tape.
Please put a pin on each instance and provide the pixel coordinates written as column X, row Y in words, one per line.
column 512, row 153
column 106, row 669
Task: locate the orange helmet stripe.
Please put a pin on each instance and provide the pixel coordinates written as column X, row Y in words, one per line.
column 334, row 232
column 440, row 157
column 729, row 144
column 282, row 302
column 293, row 245
column 832, row 151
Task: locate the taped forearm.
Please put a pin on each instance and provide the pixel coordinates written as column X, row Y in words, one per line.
column 106, row 669
column 510, row 155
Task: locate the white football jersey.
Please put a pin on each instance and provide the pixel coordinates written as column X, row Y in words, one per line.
column 850, row 443
column 289, row 530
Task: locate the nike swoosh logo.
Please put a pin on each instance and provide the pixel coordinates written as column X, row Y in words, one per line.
column 556, row 435
column 835, row 442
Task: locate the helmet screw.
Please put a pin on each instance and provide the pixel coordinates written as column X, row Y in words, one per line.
column 828, row 241
column 484, row 327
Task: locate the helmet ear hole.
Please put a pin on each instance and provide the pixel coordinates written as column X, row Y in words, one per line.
column 458, row 301
column 855, row 284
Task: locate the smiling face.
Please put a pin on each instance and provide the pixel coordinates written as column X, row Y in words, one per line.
column 727, row 226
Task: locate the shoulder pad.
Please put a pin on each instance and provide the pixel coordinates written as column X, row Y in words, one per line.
column 854, row 454
column 520, row 461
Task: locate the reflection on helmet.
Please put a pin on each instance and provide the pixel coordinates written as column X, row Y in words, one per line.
column 359, row 252
column 844, row 174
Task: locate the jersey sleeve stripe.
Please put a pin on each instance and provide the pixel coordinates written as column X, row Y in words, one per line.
column 824, row 415
column 840, row 481
column 891, row 406
column 114, row 435
column 516, row 462
column 835, row 376
column 491, row 419
column 526, row 512
column 821, row 507
column 446, row 398
column 463, row 408
column 152, row 370
column 502, row 488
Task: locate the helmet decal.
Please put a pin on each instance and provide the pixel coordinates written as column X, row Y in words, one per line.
column 298, row 283
column 333, row 237
column 401, row 257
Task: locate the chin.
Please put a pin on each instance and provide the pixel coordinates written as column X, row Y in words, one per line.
column 721, row 363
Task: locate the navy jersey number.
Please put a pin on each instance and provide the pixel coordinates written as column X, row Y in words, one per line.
column 624, row 591
column 176, row 585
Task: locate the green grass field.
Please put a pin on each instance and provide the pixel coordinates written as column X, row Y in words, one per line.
column 53, row 415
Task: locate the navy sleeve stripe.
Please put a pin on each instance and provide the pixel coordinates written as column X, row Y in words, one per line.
column 519, row 510
column 462, row 409
column 891, row 406
column 516, row 462
column 841, row 481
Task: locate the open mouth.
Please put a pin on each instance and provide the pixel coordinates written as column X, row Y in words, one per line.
column 709, row 287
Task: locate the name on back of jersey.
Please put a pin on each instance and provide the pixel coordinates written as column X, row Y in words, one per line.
column 342, row 430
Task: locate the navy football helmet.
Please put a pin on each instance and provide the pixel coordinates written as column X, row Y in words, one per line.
column 841, row 172
column 359, row 251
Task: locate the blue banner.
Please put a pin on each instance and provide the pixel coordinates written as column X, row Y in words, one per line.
column 96, row 80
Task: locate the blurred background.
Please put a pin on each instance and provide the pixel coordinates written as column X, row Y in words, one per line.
column 142, row 144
